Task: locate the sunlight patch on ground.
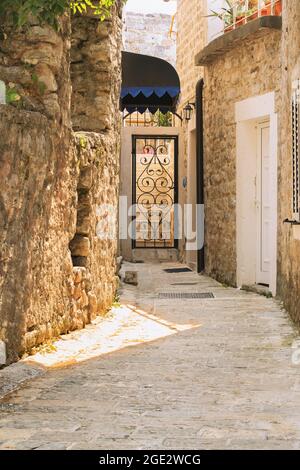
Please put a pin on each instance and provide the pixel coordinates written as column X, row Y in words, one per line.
column 124, row 326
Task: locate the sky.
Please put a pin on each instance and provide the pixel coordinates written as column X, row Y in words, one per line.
column 151, row 6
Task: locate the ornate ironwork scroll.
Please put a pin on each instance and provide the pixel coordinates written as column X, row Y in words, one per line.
column 155, row 192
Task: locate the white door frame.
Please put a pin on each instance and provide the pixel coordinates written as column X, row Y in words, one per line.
column 262, row 276
column 247, row 115
column 126, row 177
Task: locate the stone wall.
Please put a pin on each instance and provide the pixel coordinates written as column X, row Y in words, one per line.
column 34, row 62
column 258, row 62
column 191, row 37
column 94, row 258
column 56, row 275
column 288, row 281
column 37, row 220
column 95, row 70
column 149, row 35
column 95, row 74
column 253, row 68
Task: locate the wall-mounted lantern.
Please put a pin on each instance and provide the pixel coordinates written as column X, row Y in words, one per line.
column 188, row 111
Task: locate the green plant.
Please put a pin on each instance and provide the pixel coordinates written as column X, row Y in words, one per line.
column 226, row 14
column 230, row 12
column 12, row 96
column 101, row 8
column 163, row 120
column 82, row 142
column 116, row 302
column 48, row 11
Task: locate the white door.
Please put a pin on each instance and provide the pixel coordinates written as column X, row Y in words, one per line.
column 264, row 205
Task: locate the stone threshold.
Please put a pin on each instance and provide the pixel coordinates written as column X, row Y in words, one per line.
column 258, row 289
column 228, row 41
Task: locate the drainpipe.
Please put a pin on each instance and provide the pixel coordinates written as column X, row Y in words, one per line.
column 200, row 161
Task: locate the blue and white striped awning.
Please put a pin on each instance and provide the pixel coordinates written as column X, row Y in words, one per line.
column 148, row 83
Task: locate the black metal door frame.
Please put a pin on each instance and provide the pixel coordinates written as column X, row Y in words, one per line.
column 200, row 163
column 136, row 137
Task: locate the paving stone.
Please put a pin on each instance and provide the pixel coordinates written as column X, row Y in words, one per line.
column 225, row 381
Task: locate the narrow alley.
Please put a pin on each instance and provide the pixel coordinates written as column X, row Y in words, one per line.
column 222, row 378
column 149, row 230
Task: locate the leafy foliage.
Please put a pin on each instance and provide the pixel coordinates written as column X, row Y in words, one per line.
column 101, row 8
column 163, row 120
column 48, row 11
column 233, row 9
column 82, row 142
column 12, row 96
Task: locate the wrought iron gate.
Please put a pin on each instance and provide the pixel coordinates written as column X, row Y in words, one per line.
column 154, row 191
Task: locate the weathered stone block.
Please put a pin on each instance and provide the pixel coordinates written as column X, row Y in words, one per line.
column 147, row 34
column 79, row 274
column 46, row 54
column 84, row 299
column 85, row 199
column 93, row 305
column 83, row 222
column 43, row 34
column 86, row 178
column 77, row 291
column 46, row 76
column 101, row 56
column 52, row 105
column 80, row 246
column 80, row 261
column 131, row 277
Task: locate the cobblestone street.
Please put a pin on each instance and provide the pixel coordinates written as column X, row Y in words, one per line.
column 222, row 378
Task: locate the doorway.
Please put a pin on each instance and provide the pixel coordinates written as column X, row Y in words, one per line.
column 154, row 191
column 191, row 208
column 256, row 171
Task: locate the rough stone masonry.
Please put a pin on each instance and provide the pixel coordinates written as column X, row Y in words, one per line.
column 150, row 34
column 55, row 274
column 256, row 66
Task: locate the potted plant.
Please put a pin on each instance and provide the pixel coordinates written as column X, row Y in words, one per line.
column 228, row 20
column 240, row 19
column 228, row 28
column 226, row 15
column 252, row 13
column 240, row 12
column 278, row 8
column 267, row 9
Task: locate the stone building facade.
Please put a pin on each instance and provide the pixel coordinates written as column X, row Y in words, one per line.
column 288, row 281
column 191, row 33
column 230, row 79
column 247, row 87
column 56, row 274
column 150, row 34
column 191, row 36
